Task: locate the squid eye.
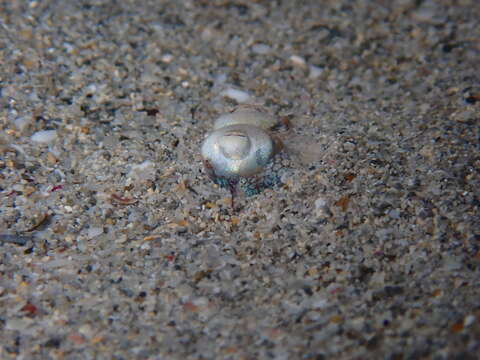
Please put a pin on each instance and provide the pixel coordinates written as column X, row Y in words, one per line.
column 238, row 150
column 240, row 145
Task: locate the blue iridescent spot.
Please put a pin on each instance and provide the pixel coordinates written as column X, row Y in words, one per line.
column 222, row 182
column 252, row 188
column 271, row 180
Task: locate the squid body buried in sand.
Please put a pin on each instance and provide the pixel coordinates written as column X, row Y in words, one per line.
column 238, row 153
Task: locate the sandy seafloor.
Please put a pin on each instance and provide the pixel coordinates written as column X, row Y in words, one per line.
column 115, row 244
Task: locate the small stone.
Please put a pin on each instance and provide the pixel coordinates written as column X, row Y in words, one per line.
column 167, row 58
column 315, row 71
column 94, row 232
column 469, row 320
column 452, row 263
column 52, row 160
column 394, row 213
column 21, row 122
column 464, row 116
column 321, row 207
column 86, row 330
column 45, row 136
column 261, row 49
column 121, row 239
column 143, row 172
column 77, row 339
column 28, row 190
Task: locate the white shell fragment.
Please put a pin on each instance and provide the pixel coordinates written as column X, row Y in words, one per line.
column 298, row 61
column 45, row 136
column 237, row 150
column 238, row 95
